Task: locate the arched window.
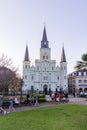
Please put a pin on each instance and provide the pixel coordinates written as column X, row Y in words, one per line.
column 57, row 78
column 32, row 77
column 43, row 57
column 25, row 76
column 64, row 77
column 80, row 81
column 26, row 66
column 85, row 81
column 46, row 57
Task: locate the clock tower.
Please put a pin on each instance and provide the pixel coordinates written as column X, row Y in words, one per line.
column 45, row 51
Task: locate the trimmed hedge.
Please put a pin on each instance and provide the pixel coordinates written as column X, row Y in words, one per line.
column 42, row 99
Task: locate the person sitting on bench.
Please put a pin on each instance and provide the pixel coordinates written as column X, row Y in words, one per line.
column 16, row 101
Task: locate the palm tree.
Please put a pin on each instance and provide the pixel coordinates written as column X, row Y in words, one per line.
column 82, row 64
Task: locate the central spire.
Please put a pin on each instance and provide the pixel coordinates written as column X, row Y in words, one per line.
column 26, row 58
column 44, row 42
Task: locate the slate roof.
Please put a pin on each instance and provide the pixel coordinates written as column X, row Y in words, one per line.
column 63, row 57
column 44, row 42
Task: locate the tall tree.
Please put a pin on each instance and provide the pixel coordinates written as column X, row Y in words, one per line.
column 83, row 63
column 9, row 78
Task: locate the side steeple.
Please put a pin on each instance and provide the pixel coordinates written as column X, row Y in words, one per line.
column 44, row 42
column 63, row 70
column 26, row 57
column 63, row 57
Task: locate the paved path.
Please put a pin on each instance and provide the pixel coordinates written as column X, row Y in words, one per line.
column 78, row 100
column 72, row 100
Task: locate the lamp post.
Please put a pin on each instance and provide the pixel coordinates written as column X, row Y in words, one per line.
column 21, row 84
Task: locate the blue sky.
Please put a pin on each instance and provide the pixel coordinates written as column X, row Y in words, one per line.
column 22, row 20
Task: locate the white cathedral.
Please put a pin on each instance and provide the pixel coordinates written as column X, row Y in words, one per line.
column 45, row 75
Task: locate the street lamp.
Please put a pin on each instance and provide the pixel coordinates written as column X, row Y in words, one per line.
column 21, row 84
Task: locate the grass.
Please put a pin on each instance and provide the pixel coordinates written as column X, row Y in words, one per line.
column 61, row 117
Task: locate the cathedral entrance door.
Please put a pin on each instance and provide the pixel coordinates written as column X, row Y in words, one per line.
column 45, row 89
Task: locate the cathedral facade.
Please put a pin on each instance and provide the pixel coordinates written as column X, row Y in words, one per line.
column 45, row 75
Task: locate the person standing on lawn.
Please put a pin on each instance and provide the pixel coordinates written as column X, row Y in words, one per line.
column 11, row 107
column 58, row 97
column 1, row 102
column 36, row 102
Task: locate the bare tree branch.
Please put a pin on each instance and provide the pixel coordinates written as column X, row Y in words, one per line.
column 5, row 61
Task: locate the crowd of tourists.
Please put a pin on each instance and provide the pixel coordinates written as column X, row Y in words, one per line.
column 59, row 97
column 29, row 99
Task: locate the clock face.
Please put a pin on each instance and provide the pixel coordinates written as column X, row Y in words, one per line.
column 45, row 43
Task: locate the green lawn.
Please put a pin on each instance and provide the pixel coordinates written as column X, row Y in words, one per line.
column 61, row 117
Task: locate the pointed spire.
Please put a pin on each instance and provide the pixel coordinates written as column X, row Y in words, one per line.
column 44, row 42
column 26, row 58
column 63, row 57
column 44, row 35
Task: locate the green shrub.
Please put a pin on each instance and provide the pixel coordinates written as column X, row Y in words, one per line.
column 41, row 95
column 6, row 99
column 42, row 99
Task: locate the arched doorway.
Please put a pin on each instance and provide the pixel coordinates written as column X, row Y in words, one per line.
column 80, row 90
column 45, row 89
column 32, row 89
column 85, row 89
